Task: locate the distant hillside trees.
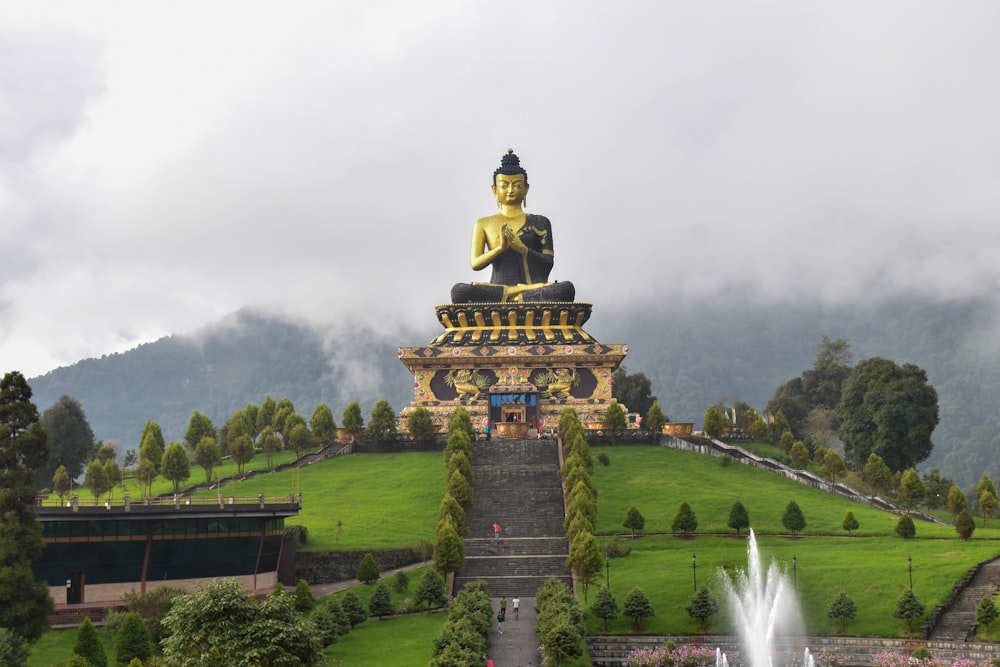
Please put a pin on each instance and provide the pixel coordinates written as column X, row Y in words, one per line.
column 633, row 391
column 655, row 418
column 420, row 424
column 207, row 455
column 889, row 410
column 70, row 438
column 817, row 389
column 713, row 422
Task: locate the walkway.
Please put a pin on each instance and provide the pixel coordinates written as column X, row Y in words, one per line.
column 959, row 622
column 518, row 644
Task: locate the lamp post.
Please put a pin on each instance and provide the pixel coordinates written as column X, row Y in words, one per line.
column 795, row 572
column 694, row 571
column 909, row 565
column 607, row 571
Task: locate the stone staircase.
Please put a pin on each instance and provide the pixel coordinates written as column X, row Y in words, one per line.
column 958, row 623
column 516, row 485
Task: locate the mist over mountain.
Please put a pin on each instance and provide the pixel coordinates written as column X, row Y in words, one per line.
column 694, row 354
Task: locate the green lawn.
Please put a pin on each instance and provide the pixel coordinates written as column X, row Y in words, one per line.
column 871, row 566
column 391, row 500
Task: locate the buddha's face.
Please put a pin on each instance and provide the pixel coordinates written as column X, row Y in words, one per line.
column 510, row 189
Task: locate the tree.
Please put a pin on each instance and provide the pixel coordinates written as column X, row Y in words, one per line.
column 331, row 621
column 353, row 422
column 304, row 600
column 703, row 606
column 401, row 581
column 368, row 572
column 61, row 483
column 449, row 550
column 207, row 455
column 265, row 414
column 655, row 419
column 241, row 449
column 713, row 422
column 96, row 479
column 633, row 391
column 614, row 420
column 431, row 590
column 324, row 429
column 459, row 420
column 23, row 450
column 382, row 425
column 911, row 488
column 964, row 525
column 199, row 427
column 380, row 603
column 420, row 424
column 354, row 607
column 877, row 474
column 833, row 465
column 605, row 607
column 634, row 520
column 70, row 439
column 905, row 527
column 987, row 503
column 146, row 472
column 637, row 607
column 800, row 454
column 684, row 520
column 985, row 484
column 937, row 488
column 843, row 609
column 889, row 410
column 956, row 501
column 241, row 423
column 298, row 438
column 13, row 649
column 792, row 518
column 132, row 639
column 151, row 444
column 908, row 607
column 585, row 560
column 175, row 465
column 221, row 626
column 88, row 644
column 986, row 612
column 850, row 523
column 738, row 517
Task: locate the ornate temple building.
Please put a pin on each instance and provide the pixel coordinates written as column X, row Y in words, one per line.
column 513, row 352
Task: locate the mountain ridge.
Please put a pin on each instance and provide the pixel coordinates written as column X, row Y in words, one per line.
column 694, row 354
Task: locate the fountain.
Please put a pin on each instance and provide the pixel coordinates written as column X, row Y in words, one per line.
column 762, row 604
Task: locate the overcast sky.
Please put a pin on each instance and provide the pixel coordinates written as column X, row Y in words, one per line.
column 163, row 164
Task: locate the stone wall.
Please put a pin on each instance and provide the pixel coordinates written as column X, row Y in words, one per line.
column 324, row 567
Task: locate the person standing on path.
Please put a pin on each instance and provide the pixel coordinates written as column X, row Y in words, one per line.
column 503, row 605
column 516, row 603
column 496, row 530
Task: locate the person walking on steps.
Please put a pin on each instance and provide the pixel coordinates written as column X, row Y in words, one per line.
column 496, row 529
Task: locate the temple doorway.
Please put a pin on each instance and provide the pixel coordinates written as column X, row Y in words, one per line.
column 513, row 411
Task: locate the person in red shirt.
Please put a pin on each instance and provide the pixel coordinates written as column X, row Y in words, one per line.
column 496, row 530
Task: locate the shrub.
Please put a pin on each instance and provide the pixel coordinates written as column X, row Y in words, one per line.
column 88, row 645
column 401, row 581
column 905, row 527
column 615, row 548
column 603, row 459
column 133, row 639
column 304, row 600
column 298, row 533
column 368, row 569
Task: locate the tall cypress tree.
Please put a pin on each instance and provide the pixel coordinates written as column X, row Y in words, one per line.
column 26, row 604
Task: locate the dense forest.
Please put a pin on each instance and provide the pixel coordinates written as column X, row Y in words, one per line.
column 693, row 354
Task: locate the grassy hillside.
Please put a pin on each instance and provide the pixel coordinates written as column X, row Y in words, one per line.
column 871, row 566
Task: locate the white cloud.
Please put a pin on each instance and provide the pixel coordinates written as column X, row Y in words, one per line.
column 164, row 164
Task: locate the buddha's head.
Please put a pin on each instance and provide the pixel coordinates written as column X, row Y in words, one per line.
column 510, row 180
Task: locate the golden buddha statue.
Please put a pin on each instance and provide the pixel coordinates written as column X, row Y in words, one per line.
column 516, row 244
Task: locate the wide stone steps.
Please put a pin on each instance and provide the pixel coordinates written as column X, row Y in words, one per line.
column 516, row 485
column 959, row 622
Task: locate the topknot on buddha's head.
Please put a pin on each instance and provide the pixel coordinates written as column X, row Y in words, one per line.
column 510, row 165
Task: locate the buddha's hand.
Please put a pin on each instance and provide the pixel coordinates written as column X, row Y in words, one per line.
column 513, row 241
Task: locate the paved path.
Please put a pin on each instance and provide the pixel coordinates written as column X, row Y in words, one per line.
column 518, row 644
